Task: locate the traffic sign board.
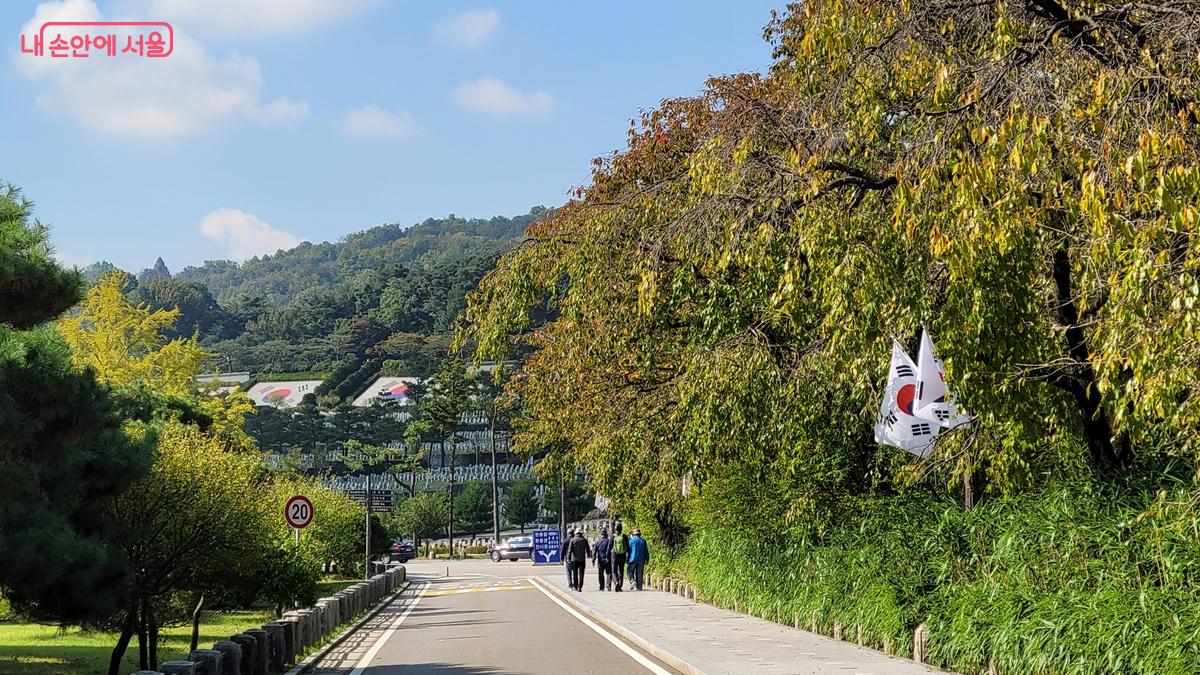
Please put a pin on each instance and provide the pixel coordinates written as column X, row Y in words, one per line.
column 545, row 546
column 298, row 512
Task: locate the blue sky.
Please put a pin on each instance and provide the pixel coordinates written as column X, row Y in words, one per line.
column 284, row 120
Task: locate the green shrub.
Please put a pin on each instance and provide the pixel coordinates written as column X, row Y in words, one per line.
column 1076, row 577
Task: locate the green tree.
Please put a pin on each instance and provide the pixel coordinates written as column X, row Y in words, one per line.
column 337, row 532
column 423, row 515
column 578, row 500
column 447, row 398
column 64, row 454
column 198, row 519
column 521, row 503
column 473, row 508
column 1022, row 176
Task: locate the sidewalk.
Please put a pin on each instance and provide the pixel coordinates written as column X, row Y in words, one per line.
column 717, row 641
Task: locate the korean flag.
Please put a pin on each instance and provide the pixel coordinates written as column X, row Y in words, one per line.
column 934, row 402
column 898, row 426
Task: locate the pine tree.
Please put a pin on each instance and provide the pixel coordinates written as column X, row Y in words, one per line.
column 473, row 508
column 63, row 453
column 521, row 504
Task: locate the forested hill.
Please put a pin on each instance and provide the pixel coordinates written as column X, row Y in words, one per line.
column 378, row 301
column 279, row 278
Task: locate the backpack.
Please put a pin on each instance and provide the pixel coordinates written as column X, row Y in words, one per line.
column 619, row 544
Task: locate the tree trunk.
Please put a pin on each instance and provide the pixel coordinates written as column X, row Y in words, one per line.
column 496, row 490
column 143, row 639
column 1107, row 451
column 118, row 652
column 450, row 510
column 196, row 624
column 153, row 630
column 562, row 504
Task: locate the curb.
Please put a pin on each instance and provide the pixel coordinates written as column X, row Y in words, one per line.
column 312, row 659
column 628, row 635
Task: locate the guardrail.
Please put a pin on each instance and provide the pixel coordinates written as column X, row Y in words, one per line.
column 277, row 645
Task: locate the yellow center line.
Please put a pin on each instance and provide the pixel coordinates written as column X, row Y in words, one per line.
column 478, row 590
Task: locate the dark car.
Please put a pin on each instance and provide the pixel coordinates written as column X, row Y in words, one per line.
column 403, row 551
column 513, row 548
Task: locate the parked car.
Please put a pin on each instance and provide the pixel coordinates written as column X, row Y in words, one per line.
column 513, row 548
column 403, row 551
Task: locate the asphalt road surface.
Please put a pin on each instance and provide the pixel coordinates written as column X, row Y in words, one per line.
column 485, row 618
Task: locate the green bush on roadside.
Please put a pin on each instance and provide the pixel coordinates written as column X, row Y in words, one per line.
column 1076, row 577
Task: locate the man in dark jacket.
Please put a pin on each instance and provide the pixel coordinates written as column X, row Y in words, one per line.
column 601, row 556
column 563, row 547
column 620, row 551
column 578, row 552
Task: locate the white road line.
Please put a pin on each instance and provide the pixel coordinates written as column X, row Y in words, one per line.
column 365, row 661
column 633, row 653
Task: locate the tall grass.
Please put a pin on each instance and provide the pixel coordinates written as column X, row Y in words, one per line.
column 1077, row 577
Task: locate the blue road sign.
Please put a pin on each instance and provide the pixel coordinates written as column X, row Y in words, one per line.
column 545, row 547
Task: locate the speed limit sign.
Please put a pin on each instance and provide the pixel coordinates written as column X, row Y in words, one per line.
column 298, row 512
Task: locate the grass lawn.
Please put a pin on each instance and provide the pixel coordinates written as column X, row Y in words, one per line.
column 330, row 586
column 32, row 649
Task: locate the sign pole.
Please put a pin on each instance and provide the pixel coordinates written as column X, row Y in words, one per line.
column 367, row 546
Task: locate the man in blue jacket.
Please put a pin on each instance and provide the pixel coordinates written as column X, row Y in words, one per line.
column 639, row 555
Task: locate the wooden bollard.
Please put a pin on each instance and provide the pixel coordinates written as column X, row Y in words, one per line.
column 921, row 644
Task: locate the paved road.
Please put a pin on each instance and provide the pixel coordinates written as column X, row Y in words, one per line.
column 485, row 618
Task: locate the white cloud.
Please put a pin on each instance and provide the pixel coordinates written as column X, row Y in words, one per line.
column 466, row 29
column 282, row 109
column 377, row 122
column 244, row 235
column 252, row 17
column 123, row 95
column 493, row 96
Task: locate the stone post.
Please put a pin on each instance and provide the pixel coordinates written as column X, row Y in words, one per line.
column 231, row 657
column 178, row 668
column 921, row 643
column 263, row 655
column 208, row 661
column 291, row 643
column 297, row 633
column 277, row 652
column 249, row 652
column 343, row 600
column 147, row 672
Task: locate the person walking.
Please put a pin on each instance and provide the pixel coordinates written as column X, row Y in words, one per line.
column 563, row 547
column 620, row 551
column 578, row 552
column 602, row 557
column 639, row 555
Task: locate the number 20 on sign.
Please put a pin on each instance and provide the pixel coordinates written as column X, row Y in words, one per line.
column 299, row 513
